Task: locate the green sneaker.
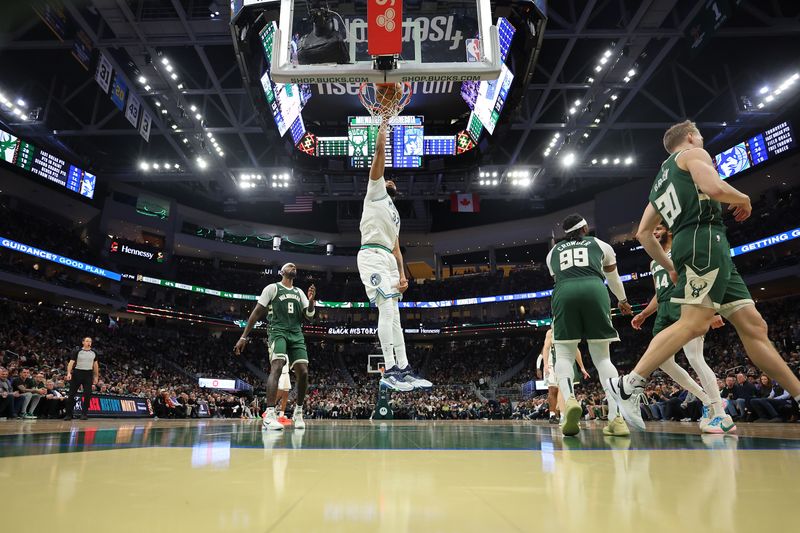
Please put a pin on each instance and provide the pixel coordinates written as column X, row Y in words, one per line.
column 572, row 417
column 617, row 428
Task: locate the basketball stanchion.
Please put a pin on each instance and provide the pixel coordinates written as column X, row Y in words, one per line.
column 383, row 409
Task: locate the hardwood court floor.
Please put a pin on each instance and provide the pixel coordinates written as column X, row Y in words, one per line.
column 226, row 475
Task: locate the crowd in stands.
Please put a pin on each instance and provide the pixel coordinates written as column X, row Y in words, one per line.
column 162, row 364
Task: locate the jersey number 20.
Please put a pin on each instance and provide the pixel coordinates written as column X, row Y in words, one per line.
column 668, row 205
column 578, row 257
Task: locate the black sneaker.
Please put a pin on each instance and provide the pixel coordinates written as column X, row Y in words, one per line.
column 553, row 419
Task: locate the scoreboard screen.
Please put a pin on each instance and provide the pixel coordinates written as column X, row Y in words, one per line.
column 755, row 150
column 331, row 146
column 33, row 159
column 440, row 145
column 285, row 100
column 492, row 97
column 404, row 144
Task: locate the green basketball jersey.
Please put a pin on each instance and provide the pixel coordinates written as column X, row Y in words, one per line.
column 576, row 259
column 679, row 202
column 664, row 285
column 285, row 308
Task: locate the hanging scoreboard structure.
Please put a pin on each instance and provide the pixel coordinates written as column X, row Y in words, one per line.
column 50, row 167
column 405, row 143
column 756, row 150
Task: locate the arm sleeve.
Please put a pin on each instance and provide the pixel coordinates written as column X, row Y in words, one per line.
column 268, row 294
column 549, row 256
column 615, row 284
column 376, row 189
column 609, row 256
column 304, row 301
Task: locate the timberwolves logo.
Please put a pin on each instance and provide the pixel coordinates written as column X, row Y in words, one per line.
column 383, row 411
column 375, row 279
column 697, row 287
column 733, row 161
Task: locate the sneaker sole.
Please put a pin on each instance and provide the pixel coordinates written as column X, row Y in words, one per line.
column 572, row 419
column 395, row 386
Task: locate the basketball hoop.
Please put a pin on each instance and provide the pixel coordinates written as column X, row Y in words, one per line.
column 385, row 100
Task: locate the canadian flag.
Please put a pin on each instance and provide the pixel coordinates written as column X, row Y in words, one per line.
column 465, row 203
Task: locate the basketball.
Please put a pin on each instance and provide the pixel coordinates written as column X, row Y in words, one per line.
column 388, row 91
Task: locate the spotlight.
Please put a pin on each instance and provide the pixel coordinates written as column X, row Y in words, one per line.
column 598, row 68
column 198, row 116
column 586, row 135
column 174, row 76
column 144, row 166
column 577, row 103
column 632, row 72
column 147, row 88
column 174, row 126
column 202, row 163
column 156, row 166
column 557, row 135
column 616, row 160
column 607, row 53
column 604, row 161
column 142, row 80
column 494, row 182
column 614, row 96
column 193, row 108
column 628, row 160
column 169, row 68
column 568, row 160
column 769, row 98
column 164, row 61
column 594, row 161
column 763, row 90
column 572, row 110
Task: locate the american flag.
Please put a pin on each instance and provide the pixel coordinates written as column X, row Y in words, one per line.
column 302, row 204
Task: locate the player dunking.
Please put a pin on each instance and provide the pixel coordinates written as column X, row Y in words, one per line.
column 668, row 314
column 582, row 310
column 380, row 264
column 285, row 306
column 555, row 400
column 686, row 194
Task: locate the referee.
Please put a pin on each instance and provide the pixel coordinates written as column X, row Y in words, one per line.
column 82, row 371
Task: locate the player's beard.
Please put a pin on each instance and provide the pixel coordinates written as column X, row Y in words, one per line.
column 291, row 274
column 391, row 191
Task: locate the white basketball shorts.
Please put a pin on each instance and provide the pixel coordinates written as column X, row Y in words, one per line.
column 379, row 274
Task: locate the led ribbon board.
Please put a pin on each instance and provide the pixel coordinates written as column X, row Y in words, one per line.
column 61, row 260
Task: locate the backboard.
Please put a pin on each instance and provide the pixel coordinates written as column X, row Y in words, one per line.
column 434, row 41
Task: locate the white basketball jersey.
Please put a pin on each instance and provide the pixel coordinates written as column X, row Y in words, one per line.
column 380, row 221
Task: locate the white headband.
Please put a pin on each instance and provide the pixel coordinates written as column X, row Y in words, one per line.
column 284, row 266
column 577, row 226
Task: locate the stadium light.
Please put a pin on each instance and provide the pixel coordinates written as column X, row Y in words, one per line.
column 614, row 96
column 568, row 159
column 763, row 90
column 628, row 160
column 143, row 165
column 142, row 80
column 201, row 163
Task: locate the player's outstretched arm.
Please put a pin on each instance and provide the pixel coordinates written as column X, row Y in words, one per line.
column 379, row 159
column 258, row 313
column 398, row 256
column 698, row 163
column 639, row 319
column 579, row 360
column 650, row 219
column 310, row 302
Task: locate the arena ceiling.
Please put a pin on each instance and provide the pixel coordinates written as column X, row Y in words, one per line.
column 757, row 44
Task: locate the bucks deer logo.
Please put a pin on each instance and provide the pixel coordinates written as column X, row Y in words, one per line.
column 697, row 287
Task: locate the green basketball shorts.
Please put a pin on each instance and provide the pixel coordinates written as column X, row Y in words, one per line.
column 668, row 314
column 706, row 273
column 289, row 346
column 582, row 310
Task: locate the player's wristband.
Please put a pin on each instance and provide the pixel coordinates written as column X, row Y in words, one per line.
column 244, row 338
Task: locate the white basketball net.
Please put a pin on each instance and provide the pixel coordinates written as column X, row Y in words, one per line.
column 382, row 104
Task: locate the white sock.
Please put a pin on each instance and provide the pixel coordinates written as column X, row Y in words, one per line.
column 634, row 380
column 386, row 311
column 398, row 340
column 565, row 360
column 280, row 414
column 270, row 412
column 694, row 353
column 552, row 413
column 682, row 378
column 601, row 357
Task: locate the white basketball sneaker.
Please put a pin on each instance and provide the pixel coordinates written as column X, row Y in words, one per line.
column 271, row 421
column 297, row 418
column 627, row 401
